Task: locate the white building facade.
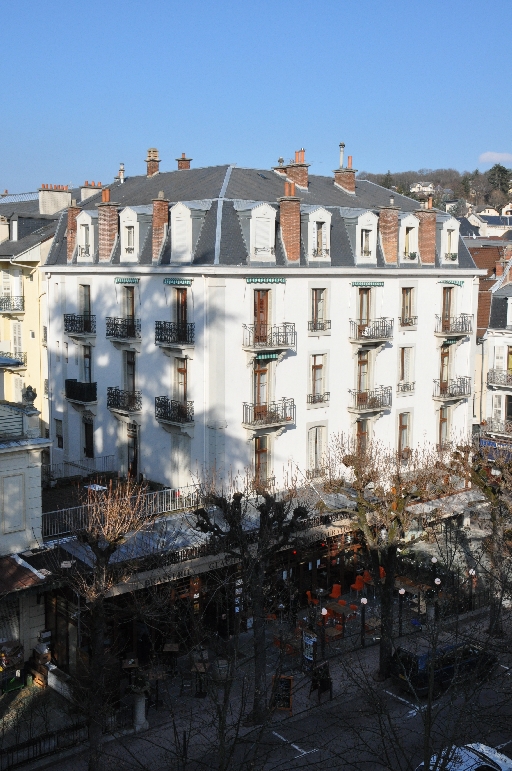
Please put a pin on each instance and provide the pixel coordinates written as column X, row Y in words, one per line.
column 222, row 319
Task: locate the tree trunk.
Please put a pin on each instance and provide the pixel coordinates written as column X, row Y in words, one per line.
column 96, row 684
column 260, row 650
column 496, row 558
column 386, row 611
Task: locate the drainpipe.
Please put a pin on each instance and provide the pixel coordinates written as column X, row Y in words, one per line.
column 482, row 380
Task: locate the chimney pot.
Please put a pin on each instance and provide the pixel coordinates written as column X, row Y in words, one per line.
column 297, row 156
column 121, row 172
column 183, row 155
column 105, row 195
column 429, row 202
column 349, row 162
column 342, row 153
column 391, row 200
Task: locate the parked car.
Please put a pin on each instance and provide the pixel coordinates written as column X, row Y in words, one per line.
column 411, row 669
column 470, row 757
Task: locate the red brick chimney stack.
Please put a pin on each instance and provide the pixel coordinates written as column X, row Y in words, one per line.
column 108, row 226
column 427, row 235
column 297, row 170
column 153, row 162
column 345, row 177
column 160, row 223
column 183, row 162
column 500, row 268
column 73, row 212
column 289, row 208
column 388, row 228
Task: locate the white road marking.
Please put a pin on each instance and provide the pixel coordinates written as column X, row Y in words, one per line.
column 507, row 668
column 500, row 746
column 295, row 747
column 415, row 708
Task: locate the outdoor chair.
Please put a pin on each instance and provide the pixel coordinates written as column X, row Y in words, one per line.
column 336, row 592
column 311, row 601
column 343, row 603
column 382, row 572
column 358, row 586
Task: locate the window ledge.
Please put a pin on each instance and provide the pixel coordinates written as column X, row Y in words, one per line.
column 319, row 333
column 317, row 405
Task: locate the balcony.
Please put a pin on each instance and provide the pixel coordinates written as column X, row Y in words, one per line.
column 12, row 304
column 405, row 388
column 264, row 337
column 123, row 328
column 17, row 358
column 492, row 426
column 172, row 411
column 376, row 331
column 499, row 377
column 375, row 400
column 319, row 398
column 449, row 326
column 459, row 388
column 79, row 326
column 407, row 322
column 280, row 413
column 170, row 334
column 124, row 401
column 81, row 393
column 319, row 326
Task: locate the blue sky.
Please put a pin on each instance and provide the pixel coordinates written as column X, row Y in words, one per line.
column 405, row 84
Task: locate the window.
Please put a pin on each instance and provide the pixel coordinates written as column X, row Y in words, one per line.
column 320, row 240
column 87, row 421
column 364, row 307
column 317, row 378
column 445, row 368
column 365, row 243
column 362, row 371
column 407, row 245
column 447, row 308
column 509, row 359
column 407, row 318
column 508, row 408
column 450, row 242
column 58, row 434
column 181, row 307
column 84, row 248
column 404, row 421
column 132, row 449
column 497, row 407
column 261, row 297
column 85, row 299
column 130, row 239
column 261, row 460
column 404, row 365
column 6, row 283
column 66, row 352
column 87, row 374
column 181, row 380
column 260, row 385
column 264, row 229
column 129, row 302
column 361, row 435
column 318, row 311
column 443, row 426
column 316, row 449
column 130, row 370
column 16, row 338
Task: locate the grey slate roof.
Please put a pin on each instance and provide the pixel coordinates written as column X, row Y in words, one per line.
column 499, row 303
column 226, row 187
column 13, row 248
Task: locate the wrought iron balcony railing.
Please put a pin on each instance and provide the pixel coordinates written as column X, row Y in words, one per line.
column 274, row 413
column 264, row 249
column 377, row 399
column 173, row 411
column 321, row 252
column 497, row 426
column 405, row 388
column 84, row 251
column 123, row 328
column 318, row 398
column 81, row 392
column 269, row 336
column 454, row 325
column 379, row 329
column 18, row 357
column 319, row 326
column 452, row 389
column 12, row 304
column 129, row 401
column 79, row 325
column 410, row 255
column 171, row 333
column 451, row 256
column 408, row 321
column 499, row 377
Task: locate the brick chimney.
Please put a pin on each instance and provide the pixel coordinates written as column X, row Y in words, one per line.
column 345, row 177
column 183, row 162
column 500, row 268
column 107, row 225
column 160, row 223
column 73, row 212
column 153, row 162
column 427, row 235
column 296, row 171
column 388, row 228
column 289, row 208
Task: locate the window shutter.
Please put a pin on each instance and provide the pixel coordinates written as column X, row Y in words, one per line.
column 324, row 236
column 180, row 250
column 497, row 407
column 6, row 284
column 16, row 337
column 262, row 235
column 16, row 283
column 311, row 448
column 499, row 357
column 407, row 364
column 313, row 238
column 19, row 385
column 321, row 444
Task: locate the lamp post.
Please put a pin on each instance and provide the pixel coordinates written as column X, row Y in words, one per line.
column 322, row 638
column 472, row 574
column 401, row 593
column 437, row 582
column 363, row 614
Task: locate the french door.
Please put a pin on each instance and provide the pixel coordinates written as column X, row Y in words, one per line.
column 261, row 316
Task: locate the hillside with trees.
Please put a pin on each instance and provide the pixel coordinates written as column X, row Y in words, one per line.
column 489, row 188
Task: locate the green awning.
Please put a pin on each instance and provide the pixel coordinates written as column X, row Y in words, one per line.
column 122, row 280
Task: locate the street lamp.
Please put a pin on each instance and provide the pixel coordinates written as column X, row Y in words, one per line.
column 401, row 593
column 472, row 574
column 363, row 614
column 322, row 639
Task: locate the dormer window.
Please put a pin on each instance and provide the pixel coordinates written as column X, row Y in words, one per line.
column 85, row 241
column 264, row 237
column 87, row 234
column 316, row 232
column 134, row 225
column 186, row 223
column 447, row 238
column 408, row 237
column 362, row 230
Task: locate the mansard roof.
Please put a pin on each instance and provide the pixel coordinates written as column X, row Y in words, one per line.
column 221, row 191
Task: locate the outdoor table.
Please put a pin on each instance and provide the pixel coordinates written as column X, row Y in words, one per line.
column 320, row 592
column 333, row 634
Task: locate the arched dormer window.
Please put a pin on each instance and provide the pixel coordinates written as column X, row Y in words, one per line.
column 408, row 238
column 447, row 241
column 366, row 237
column 258, row 223
column 86, row 235
column 186, row 223
column 134, row 225
column 316, row 233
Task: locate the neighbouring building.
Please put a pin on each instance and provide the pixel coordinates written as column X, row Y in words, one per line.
column 224, row 318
